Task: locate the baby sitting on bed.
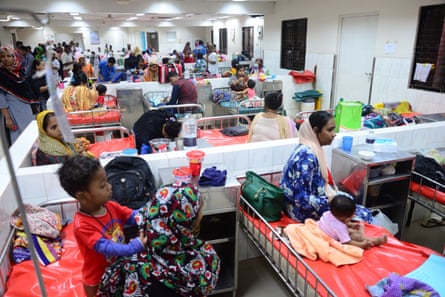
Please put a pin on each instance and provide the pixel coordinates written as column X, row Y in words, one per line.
column 338, row 223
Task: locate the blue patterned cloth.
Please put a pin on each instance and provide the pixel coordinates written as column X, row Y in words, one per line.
column 304, row 187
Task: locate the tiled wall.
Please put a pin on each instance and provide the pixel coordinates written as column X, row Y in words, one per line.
column 390, row 84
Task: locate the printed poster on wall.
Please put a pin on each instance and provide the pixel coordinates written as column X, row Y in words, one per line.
column 94, row 37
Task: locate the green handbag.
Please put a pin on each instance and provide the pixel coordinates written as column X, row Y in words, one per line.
column 266, row 198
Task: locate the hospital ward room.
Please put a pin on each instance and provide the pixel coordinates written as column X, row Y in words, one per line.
column 192, row 148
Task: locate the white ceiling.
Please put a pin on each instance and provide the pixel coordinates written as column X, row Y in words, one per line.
column 97, row 13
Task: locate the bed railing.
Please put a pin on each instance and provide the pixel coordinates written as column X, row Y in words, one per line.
column 221, row 122
column 297, row 275
column 65, row 207
column 430, row 202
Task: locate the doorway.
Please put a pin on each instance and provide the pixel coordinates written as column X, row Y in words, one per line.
column 247, row 41
column 355, row 58
column 152, row 39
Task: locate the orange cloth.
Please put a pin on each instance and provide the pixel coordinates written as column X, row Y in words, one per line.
column 308, row 240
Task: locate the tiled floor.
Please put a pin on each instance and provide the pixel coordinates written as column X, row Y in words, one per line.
column 257, row 279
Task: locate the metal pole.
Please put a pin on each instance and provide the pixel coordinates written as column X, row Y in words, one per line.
column 21, row 207
column 372, row 80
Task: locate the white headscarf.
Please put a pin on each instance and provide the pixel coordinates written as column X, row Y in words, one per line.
column 308, row 137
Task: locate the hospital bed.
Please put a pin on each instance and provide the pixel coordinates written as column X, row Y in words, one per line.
column 197, row 109
column 107, row 141
column 62, row 278
column 305, row 277
column 428, row 193
column 209, row 128
column 108, row 115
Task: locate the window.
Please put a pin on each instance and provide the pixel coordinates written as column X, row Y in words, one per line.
column 223, row 40
column 293, row 44
column 428, row 69
column 247, row 42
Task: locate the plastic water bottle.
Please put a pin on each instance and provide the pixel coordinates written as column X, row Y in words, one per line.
column 187, row 74
column 370, row 139
column 129, row 76
column 189, row 131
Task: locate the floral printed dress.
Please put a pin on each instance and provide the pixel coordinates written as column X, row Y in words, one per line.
column 304, row 187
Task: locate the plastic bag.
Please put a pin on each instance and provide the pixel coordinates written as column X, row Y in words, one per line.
column 382, row 220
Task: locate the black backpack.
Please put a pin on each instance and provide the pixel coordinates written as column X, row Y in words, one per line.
column 132, row 181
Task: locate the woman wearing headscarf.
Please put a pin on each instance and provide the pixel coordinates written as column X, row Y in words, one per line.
column 52, row 148
column 16, row 95
column 78, row 96
column 307, row 182
column 177, row 263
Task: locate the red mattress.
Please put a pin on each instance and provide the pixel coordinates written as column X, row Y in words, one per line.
column 94, row 117
column 216, row 138
column 62, row 278
column 113, row 145
column 428, row 192
column 377, row 263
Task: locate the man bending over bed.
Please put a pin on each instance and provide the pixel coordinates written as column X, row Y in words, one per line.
column 98, row 225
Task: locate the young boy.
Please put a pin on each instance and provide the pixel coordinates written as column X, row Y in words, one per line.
column 338, row 223
column 99, row 222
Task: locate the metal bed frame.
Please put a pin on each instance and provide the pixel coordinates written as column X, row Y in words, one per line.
column 301, row 279
column 92, row 115
column 221, row 122
column 198, row 109
column 429, row 203
column 120, row 130
column 65, row 207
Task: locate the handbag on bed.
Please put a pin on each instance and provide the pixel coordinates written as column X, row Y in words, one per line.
column 266, row 198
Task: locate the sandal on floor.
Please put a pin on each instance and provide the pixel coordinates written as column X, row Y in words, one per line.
column 432, row 223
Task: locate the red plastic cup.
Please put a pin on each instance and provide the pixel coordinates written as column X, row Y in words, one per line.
column 195, row 160
column 182, row 175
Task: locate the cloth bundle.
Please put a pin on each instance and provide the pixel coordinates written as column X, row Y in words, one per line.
column 235, row 131
column 213, row 177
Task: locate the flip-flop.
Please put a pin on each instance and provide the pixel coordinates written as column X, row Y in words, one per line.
column 433, row 223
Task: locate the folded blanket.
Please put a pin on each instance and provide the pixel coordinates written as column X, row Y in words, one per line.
column 213, row 177
column 310, row 241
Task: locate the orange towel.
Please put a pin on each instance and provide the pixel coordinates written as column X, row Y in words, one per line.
column 310, row 241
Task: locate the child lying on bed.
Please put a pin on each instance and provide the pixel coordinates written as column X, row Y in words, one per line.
column 98, row 225
column 338, row 223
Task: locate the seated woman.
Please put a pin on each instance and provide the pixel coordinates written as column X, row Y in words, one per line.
column 52, row 149
column 151, row 73
column 78, row 96
column 258, row 67
column 269, row 125
column 177, row 262
column 238, row 81
column 307, row 182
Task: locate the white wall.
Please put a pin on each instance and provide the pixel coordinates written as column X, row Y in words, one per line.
column 397, row 24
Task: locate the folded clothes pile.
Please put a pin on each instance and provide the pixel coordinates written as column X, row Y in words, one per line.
column 213, row 177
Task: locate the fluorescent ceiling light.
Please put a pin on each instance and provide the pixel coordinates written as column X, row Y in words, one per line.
column 140, row 14
column 132, row 18
column 74, row 13
column 77, row 18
